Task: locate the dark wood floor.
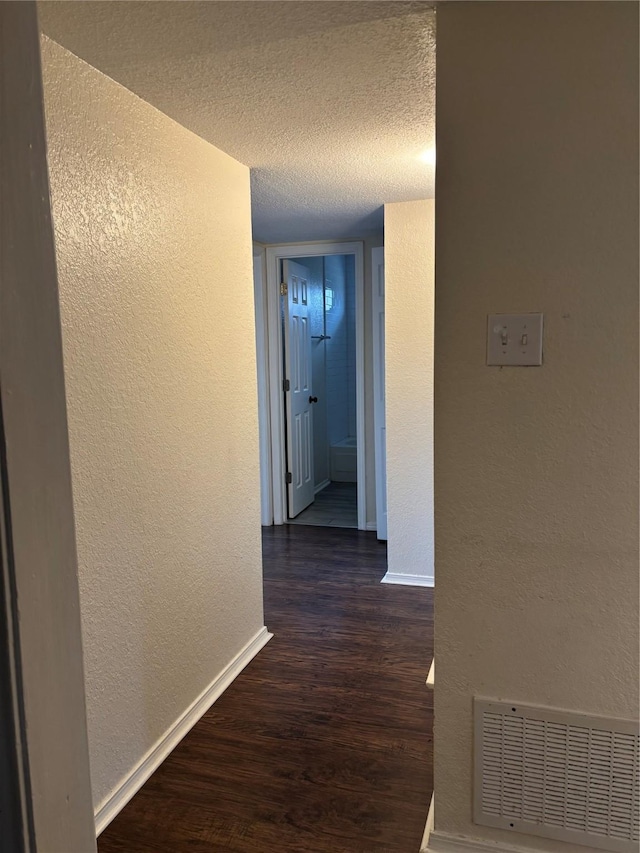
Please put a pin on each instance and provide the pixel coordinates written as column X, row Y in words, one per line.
column 324, row 743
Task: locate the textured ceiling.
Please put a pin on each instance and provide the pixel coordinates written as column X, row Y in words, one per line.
column 329, row 103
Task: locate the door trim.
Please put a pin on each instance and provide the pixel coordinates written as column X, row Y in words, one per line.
column 275, row 254
column 379, row 419
column 262, row 366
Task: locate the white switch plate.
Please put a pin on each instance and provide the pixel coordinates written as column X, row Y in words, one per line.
column 514, row 339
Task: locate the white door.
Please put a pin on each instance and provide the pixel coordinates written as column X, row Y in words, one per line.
column 379, row 416
column 298, row 394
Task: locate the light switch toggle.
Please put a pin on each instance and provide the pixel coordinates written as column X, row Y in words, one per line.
column 514, row 339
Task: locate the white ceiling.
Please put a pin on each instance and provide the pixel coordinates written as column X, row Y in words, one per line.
column 329, row 103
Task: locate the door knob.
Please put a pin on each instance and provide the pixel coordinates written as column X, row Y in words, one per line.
column 313, row 399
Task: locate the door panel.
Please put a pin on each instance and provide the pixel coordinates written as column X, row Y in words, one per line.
column 297, row 370
column 379, row 416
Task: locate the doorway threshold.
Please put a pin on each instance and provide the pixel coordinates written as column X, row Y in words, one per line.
column 335, row 506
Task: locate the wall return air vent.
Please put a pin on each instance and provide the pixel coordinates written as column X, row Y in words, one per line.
column 557, row 774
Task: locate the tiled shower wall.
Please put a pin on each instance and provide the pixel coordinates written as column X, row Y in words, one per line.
column 350, row 279
column 340, row 329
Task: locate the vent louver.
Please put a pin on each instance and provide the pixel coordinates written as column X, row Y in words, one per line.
column 557, row 774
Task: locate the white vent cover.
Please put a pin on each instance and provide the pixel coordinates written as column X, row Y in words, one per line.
column 561, row 775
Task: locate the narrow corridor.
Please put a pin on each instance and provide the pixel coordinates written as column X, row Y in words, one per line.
column 323, row 744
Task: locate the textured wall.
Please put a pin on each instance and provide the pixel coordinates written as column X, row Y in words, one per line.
column 409, row 292
column 154, row 250
column 536, row 468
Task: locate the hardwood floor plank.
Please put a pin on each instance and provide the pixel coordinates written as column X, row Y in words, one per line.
column 323, row 744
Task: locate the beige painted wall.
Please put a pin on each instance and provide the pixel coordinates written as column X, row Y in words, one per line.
column 153, row 239
column 409, row 296
column 536, row 475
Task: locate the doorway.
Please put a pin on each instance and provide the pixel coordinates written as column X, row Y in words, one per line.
column 322, row 288
column 329, row 397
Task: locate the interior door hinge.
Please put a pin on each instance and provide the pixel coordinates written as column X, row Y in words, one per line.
column 283, row 288
column 286, row 385
column 289, row 478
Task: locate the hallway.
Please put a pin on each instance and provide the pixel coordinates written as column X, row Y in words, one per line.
column 324, row 743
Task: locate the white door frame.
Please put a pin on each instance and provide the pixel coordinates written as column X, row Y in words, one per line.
column 273, row 357
column 264, row 421
column 379, row 418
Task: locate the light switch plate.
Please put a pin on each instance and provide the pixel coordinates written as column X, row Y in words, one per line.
column 514, row 339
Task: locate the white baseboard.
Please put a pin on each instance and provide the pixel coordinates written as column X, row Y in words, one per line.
column 429, row 826
column 408, row 580
column 371, row 525
column 134, row 780
column 431, row 677
column 444, row 842
column 323, row 485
